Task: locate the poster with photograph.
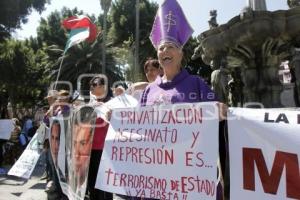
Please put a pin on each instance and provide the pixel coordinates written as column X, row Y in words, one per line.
column 82, row 126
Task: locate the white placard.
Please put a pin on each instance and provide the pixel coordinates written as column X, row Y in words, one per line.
column 162, row 152
column 122, row 101
column 6, row 127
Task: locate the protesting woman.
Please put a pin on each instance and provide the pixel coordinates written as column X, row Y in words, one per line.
column 176, row 85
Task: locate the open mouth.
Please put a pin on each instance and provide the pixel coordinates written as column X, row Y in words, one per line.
column 167, row 58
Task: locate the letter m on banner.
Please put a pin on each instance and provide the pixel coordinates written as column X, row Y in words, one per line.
column 270, row 181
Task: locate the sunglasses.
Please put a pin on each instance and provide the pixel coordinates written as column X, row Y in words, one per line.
column 96, row 84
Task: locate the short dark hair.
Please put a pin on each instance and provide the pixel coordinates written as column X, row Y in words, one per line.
column 85, row 114
column 97, row 79
column 151, row 62
column 55, row 122
column 64, row 95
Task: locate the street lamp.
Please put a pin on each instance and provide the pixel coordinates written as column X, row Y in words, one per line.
column 105, row 5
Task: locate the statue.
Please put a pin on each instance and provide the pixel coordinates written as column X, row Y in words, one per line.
column 235, row 86
column 213, row 19
column 293, row 3
column 198, row 51
column 256, row 44
column 219, row 79
column 295, row 70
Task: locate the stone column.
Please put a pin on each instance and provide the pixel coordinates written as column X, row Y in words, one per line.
column 257, row 5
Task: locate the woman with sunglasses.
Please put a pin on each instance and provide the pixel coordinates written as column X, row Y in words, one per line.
column 98, row 95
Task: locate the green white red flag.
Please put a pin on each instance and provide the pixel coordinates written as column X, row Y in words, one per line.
column 81, row 29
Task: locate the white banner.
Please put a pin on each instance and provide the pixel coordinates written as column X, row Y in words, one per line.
column 120, row 101
column 6, row 127
column 26, row 163
column 162, row 152
column 264, row 148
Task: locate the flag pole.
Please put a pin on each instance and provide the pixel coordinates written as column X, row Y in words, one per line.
column 63, row 56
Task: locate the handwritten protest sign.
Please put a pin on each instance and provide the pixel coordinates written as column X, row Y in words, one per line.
column 26, row 163
column 6, row 127
column 162, row 152
column 264, row 154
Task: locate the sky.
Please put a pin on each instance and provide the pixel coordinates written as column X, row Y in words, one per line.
column 196, row 11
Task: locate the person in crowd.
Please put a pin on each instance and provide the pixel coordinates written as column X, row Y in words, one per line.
column 99, row 95
column 26, row 126
column 15, row 149
column 62, row 104
column 152, row 69
column 32, row 130
column 82, row 140
column 51, row 98
column 98, row 90
column 176, row 85
column 118, row 90
column 54, row 99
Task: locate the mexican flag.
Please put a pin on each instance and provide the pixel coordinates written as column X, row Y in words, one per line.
column 81, row 29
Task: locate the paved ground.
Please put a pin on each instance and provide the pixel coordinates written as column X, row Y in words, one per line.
column 13, row 188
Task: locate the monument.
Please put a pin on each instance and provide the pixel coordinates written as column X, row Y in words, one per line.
column 254, row 44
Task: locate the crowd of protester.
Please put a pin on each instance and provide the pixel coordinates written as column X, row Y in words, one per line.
column 20, row 135
column 167, row 82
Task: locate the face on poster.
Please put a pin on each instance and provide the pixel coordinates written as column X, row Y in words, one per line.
column 82, row 144
column 55, row 132
column 82, row 138
column 57, row 146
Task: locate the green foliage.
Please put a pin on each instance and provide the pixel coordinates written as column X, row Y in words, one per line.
column 15, row 12
column 28, row 67
column 21, row 73
column 80, row 59
column 122, row 31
